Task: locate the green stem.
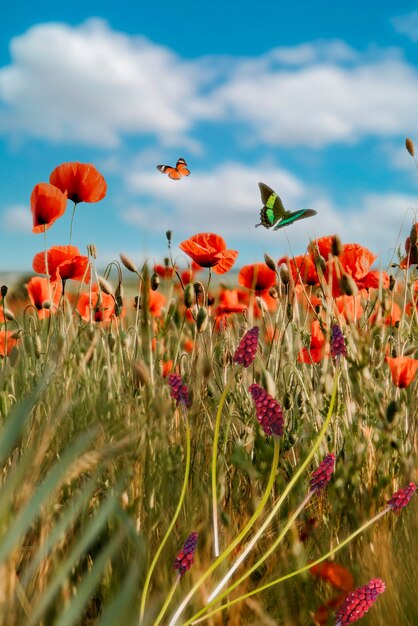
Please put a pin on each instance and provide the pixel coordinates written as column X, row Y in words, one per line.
column 214, row 463
column 238, row 539
column 292, row 574
column 302, row 468
column 71, row 223
column 167, row 601
column 173, row 521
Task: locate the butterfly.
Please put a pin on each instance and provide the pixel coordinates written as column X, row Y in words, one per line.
column 175, row 172
column 273, row 212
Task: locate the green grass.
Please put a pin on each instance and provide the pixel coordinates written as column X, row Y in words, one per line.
column 93, row 454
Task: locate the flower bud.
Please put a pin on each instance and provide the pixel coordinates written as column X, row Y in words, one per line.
column 409, row 145
column 189, row 295
column 202, row 319
column 269, row 262
column 336, row 246
column 128, row 263
column 154, row 281
column 3, row 290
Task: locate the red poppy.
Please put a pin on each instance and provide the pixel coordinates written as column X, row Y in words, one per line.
column 7, row 342
column 316, row 350
column 64, row 262
column 209, row 250
column 164, row 271
column 334, row 573
column 403, row 370
column 40, row 292
column 156, row 302
column 302, row 268
column 167, row 367
column 349, row 307
column 257, row 276
column 47, row 204
column 98, row 306
column 389, row 318
column 411, row 248
column 229, row 302
column 81, row 181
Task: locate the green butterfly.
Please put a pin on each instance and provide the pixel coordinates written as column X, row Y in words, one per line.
column 273, row 212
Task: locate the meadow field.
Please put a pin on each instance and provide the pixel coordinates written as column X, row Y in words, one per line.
column 187, row 440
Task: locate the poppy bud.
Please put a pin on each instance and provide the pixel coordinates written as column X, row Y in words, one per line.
column 128, row 263
column 105, row 286
column 336, row 246
column 409, row 144
column 320, row 263
column 269, row 262
column 111, row 341
column 37, row 346
column 137, row 302
column 202, row 319
column 289, row 311
column 3, row 290
column 392, row 283
column 284, row 274
column 140, row 374
column 347, row 285
column 92, row 250
column 155, row 281
column 391, row 411
column 211, row 300
column 169, row 234
column 287, row 401
column 189, row 295
column 273, row 293
column 9, row 315
column 198, row 289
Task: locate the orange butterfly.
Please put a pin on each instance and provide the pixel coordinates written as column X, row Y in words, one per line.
column 175, row 172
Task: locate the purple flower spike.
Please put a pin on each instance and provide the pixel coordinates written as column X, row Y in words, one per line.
column 322, row 475
column 338, row 347
column 184, row 559
column 269, row 412
column 401, row 498
column 246, row 351
column 358, row 602
column 179, row 390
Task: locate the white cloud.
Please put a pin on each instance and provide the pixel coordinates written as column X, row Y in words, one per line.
column 407, row 25
column 227, row 201
column 324, row 103
column 90, row 85
column 17, row 219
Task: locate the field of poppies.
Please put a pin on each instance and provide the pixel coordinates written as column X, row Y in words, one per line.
column 221, row 444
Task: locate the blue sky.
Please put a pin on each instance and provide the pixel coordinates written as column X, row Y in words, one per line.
column 314, row 99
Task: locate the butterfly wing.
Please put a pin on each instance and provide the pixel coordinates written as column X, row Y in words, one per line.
column 181, row 167
column 273, row 209
column 170, row 171
column 293, row 216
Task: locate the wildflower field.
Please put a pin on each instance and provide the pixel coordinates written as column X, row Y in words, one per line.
column 189, row 440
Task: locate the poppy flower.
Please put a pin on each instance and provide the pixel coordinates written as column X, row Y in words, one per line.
column 47, row 204
column 334, row 573
column 302, row 269
column 98, row 306
column 209, row 250
column 389, row 318
column 156, row 302
column 316, row 350
column 257, row 276
column 81, row 181
column 7, row 342
column 349, row 307
column 64, row 262
column 403, row 370
column 40, row 292
column 229, row 302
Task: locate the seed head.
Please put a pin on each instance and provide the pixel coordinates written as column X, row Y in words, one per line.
column 269, row 412
column 322, row 475
column 128, row 263
column 338, row 347
column 358, row 602
column 409, row 145
column 184, row 559
column 246, row 351
column 269, row 262
column 179, row 391
column 401, row 498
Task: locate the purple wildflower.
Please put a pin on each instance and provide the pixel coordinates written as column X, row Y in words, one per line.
column 179, row 391
column 338, row 347
column 246, row 351
column 184, row 559
column 322, row 475
column 269, row 411
column 401, row 498
column 358, row 602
